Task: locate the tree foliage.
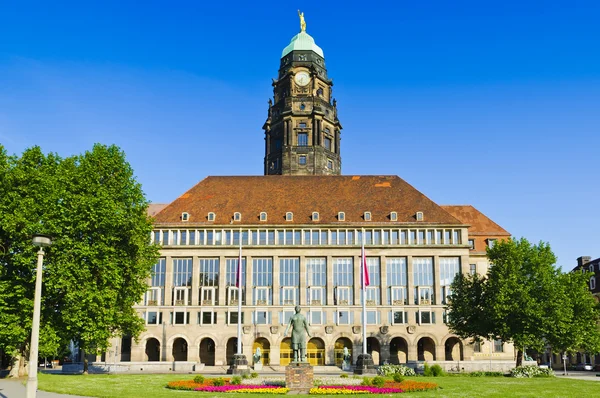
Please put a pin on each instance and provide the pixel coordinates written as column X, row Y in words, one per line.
column 525, row 299
column 97, row 266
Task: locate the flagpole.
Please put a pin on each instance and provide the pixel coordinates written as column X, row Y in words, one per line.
column 364, row 294
column 239, row 286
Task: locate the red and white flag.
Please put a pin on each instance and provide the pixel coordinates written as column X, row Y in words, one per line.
column 365, row 269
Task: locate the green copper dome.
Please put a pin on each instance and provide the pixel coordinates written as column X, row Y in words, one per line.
column 303, row 42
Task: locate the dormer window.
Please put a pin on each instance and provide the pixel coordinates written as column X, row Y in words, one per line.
column 591, row 268
column 185, row 216
column 367, row 216
column 341, row 216
column 211, row 216
column 289, row 216
column 419, row 216
column 393, row 216
column 237, row 216
column 263, row 216
column 315, row 216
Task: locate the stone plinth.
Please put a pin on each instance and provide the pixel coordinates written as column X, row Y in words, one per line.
column 239, row 365
column 365, row 365
column 299, row 377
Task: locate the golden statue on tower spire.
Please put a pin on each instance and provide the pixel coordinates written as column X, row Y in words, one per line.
column 302, row 21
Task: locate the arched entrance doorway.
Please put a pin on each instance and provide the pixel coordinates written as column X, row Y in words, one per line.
column 180, row 349
column 454, row 350
column 340, row 344
column 265, row 348
column 315, row 351
column 398, row 351
column 374, row 349
column 231, row 349
column 426, row 349
column 207, row 352
column 286, row 353
column 152, row 350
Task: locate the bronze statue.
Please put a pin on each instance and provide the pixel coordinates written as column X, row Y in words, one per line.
column 299, row 326
column 302, row 21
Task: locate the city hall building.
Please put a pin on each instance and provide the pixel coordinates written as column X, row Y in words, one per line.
column 300, row 228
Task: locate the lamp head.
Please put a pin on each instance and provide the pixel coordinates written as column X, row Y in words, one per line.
column 42, row 240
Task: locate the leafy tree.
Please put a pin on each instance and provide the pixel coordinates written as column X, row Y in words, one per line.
column 521, row 299
column 97, row 266
column 575, row 315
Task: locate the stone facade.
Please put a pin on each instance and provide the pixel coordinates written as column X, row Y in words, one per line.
column 300, row 229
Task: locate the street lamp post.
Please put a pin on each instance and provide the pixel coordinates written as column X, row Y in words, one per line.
column 41, row 241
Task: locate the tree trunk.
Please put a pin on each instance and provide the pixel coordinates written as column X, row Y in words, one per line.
column 19, row 366
column 85, row 363
column 519, row 357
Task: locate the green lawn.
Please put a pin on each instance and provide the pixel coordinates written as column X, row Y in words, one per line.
column 150, row 386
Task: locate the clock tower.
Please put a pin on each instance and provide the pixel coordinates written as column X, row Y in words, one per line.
column 302, row 130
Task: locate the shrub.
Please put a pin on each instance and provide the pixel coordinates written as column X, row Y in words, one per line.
column 390, row 370
column 365, row 381
column 199, row 379
column 254, row 375
column 531, row 371
column 344, row 376
column 486, row 374
column 218, row 382
column 378, row 381
column 436, row 370
column 236, row 380
column 245, row 375
column 398, row 378
column 427, row 370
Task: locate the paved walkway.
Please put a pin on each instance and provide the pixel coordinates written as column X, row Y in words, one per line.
column 11, row 388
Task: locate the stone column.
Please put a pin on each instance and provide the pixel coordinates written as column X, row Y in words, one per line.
column 220, row 354
column 357, row 281
column 440, row 352
column 436, row 281
column 303, row 300
column 275, row 353
column 412, row 351
column 249, row 289
column 329, row 289
column 222, row 288
column 168, row 280
column 410, row 287
column 195, row 281
column 275, row 286
column 384, row 282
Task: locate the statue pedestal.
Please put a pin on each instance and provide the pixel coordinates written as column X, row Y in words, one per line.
column 299, row 377
column 365, row 365
column 239, row 365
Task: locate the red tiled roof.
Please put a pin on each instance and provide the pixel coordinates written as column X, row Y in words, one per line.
column 303, row 195
column 479, row 223
column 155, row 208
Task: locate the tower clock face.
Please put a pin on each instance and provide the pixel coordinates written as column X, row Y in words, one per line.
column 302, row 78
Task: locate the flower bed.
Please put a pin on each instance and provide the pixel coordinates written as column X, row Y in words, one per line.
column 337, row 381
column 323, row 386
column 326, row 390
column 267, row 381
column 245, row 389
column 411, row 385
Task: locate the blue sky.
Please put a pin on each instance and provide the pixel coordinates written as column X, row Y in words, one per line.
column 494, row 104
